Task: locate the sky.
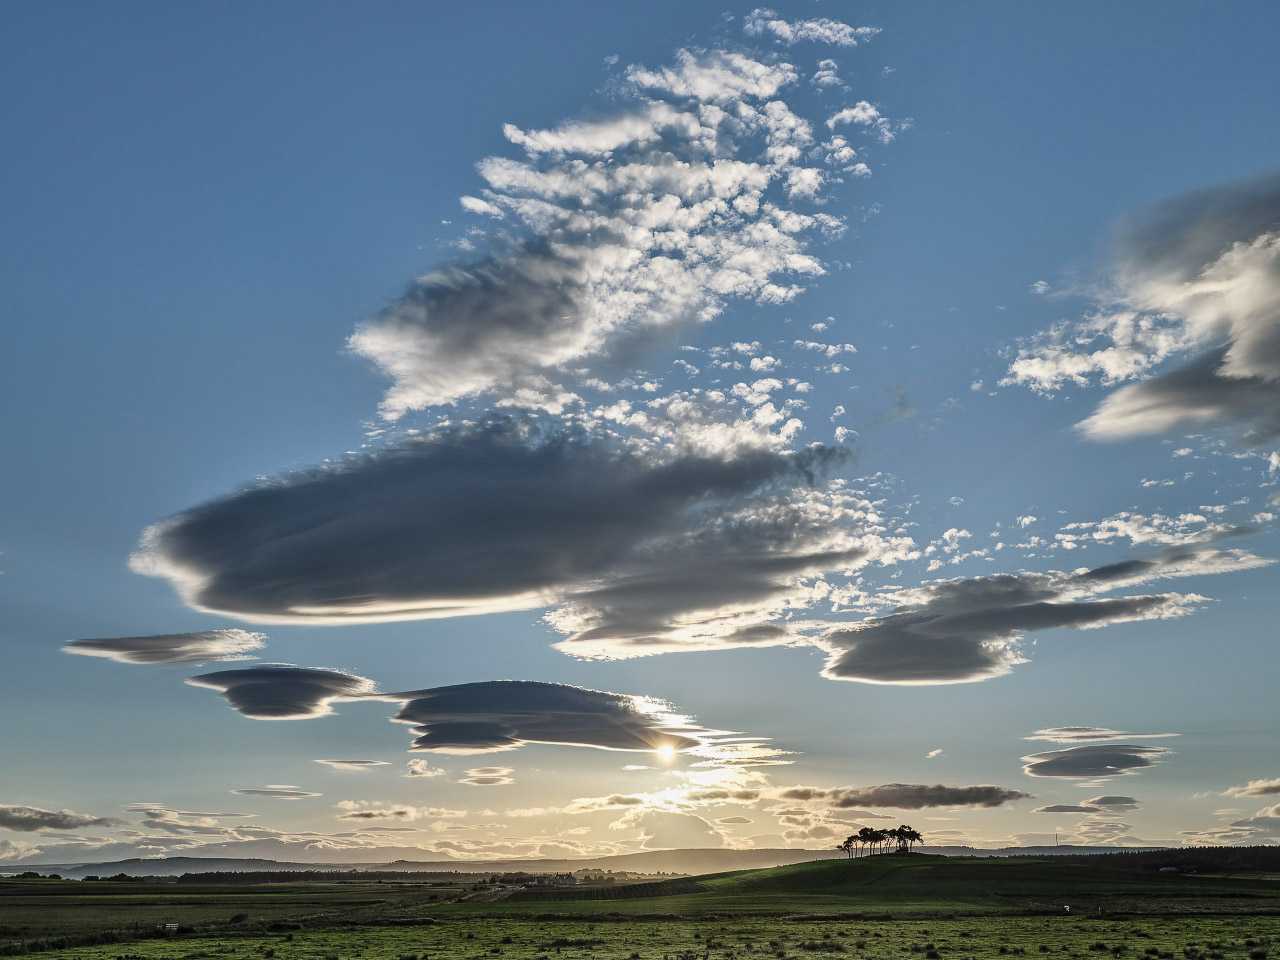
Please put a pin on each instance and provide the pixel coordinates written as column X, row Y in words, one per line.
column 451, row 431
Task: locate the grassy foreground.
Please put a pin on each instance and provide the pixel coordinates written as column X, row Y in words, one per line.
column 882, row 908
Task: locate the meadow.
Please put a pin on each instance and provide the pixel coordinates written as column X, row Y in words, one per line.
column 882, row 908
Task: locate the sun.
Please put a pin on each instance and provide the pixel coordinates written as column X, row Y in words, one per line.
column 666, row 753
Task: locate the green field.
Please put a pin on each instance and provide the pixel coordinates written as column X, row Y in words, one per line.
column 875, row 908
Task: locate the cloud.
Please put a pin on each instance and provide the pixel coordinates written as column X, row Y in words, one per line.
column 278, row 792
column 662, row 830
column 644, row 552
column 381, row 813
column 963, row 630
column 1108, row 806
column 488, row 777
column 761, row 21
column 1255, row 788
column 173, row 647
column 733, row 820
column 684, row 522
column 1113, row 803
column 420, row 768
column 1090, row 734
column 354, row 765
column 1090, row 762
column 1065, row 808
column 906, row 796
column 12, row 850
column 280, row 692
column 501, row 715
column 1196, row 276
column 626, row 226
column 934, row 754
column 1184, row 530
column 31, row 819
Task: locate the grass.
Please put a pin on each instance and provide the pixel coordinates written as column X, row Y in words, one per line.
column 904, row 886
column 881, row 908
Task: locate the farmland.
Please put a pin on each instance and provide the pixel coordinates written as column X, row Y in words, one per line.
column 881, row 908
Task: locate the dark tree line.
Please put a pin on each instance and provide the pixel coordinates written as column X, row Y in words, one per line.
column 904, row 836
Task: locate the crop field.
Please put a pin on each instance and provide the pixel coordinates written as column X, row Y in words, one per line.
column 877, row 909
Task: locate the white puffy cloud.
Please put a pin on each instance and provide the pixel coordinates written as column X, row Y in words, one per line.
column 646, row 220
column 1255, row 788
column 761, row 22
column 1198, row 277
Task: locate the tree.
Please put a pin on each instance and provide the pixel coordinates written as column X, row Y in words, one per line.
column 905, row 836
column 847, row 846
column 912, row 835
column 867, row 837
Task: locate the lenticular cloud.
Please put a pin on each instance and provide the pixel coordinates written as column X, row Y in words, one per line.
column 484, row 520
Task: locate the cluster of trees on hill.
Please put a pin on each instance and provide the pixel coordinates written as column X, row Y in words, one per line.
column 904, row 836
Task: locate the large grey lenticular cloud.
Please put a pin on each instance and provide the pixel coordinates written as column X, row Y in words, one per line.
column 476, row 521
column 32, row 819
column 1091, row 762
column 962, row 630
column 470, row 718
column 505, row 714
column 906, row 796
column 1198, row 277
column 282, row 692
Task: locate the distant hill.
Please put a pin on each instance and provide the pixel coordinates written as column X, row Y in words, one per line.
column 172, row 867
column 698, row 861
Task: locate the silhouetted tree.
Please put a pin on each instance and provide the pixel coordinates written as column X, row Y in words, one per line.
column 904, row 836
column 866, row 837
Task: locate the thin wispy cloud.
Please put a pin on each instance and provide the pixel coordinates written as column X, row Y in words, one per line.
column 1090, row 735
column 197, row 647
column 762, row 22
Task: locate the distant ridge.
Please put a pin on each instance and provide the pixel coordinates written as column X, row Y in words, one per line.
column 694, row 861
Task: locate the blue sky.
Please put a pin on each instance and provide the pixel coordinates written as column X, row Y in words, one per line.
column 788, row 369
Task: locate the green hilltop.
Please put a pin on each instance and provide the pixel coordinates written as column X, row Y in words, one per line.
column 905, row 884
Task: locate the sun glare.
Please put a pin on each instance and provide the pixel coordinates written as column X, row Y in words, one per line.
column 666, row 753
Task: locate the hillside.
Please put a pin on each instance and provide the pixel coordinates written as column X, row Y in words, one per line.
column 687, row 862
column 908, row 884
